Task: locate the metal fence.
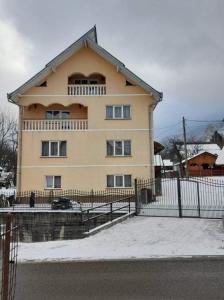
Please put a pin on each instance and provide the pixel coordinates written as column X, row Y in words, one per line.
column 183, row 197
column 111, row 210
column 8, row 257
column 42, row 200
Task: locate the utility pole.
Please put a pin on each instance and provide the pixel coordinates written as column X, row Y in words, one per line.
column 185, row 146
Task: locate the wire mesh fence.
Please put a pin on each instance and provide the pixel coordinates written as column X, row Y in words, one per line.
column 8, row 257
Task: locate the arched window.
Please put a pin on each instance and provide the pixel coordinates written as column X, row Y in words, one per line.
column 81, row 79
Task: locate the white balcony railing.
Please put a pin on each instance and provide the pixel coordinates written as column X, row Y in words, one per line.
column 54, row 125
column 86, row 89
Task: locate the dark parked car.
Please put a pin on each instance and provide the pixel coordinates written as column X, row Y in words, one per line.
column 61, row 203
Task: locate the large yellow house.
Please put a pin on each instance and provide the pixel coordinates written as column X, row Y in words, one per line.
column 85, row 122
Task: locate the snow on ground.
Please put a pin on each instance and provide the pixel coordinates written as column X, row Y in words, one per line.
column 139, row 237
column 7, row 192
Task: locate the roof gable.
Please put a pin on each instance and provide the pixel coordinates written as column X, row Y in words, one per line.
column 199, row 154
column 89, row 39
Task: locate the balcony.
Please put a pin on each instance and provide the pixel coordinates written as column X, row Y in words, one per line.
column 54, row 125
column 91, row 85
column 86, row 89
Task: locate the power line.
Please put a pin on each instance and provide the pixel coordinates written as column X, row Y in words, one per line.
column 206, row 121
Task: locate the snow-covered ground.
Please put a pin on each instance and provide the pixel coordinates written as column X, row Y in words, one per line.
column 7, row 192
column 200, row 192
column 139, row 237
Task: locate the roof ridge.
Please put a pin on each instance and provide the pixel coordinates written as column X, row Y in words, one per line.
column 87, row 35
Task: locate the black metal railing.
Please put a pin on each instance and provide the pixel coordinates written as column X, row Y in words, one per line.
column 110, row 211
column 42, row 200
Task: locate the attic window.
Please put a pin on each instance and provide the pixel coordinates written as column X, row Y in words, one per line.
column 42, row 84
column 128, row 83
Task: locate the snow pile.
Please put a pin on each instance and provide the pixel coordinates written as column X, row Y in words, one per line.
column 140, row 237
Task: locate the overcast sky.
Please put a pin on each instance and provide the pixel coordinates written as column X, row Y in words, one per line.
column 177, row 46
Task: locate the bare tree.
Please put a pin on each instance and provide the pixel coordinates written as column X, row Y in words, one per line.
column 173, row 146
column 8, row 142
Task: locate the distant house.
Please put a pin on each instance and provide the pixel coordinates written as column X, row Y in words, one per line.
column 163, row 167
column 203, row 163
column 201, row 159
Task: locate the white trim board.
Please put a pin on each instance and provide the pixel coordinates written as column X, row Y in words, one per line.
column 85, row 166
column 92, row 130
column 105, row 95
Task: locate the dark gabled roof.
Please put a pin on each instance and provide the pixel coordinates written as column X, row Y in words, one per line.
column 88, row 39
column 158, row 147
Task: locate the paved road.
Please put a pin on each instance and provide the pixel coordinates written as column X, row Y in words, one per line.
column 126, row 280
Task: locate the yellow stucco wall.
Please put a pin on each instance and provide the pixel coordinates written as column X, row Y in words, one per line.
column 86, row 164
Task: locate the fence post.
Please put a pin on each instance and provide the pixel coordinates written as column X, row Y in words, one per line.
column 6, row 251
column 179, row 197
column 136, row 198
column 92, row 197
column 88, row 223
column 199, row 206
column 111, row 211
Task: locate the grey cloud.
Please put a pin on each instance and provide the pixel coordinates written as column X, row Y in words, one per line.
column 177, row 46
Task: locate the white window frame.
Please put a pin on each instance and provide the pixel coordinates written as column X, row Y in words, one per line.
column 60, row 114
column 49, row 148
column 122, row 112
column 114, row 179
column 122, row 147
column 53, row 187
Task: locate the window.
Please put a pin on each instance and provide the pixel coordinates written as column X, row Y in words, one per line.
column 118, row 112
column 53, row 182
column 54, row 148
column 57, row 114
column 118, row 181
column 119, row 148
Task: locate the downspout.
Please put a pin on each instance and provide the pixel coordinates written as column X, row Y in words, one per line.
column 151, row 134
column 151, row 144
column 19, row 161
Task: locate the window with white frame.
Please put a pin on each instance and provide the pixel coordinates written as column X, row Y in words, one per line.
column 54, row 148
column 53, row 182
column 57, row 114
column 118, row 181
column 119, row 148
column 118, row 112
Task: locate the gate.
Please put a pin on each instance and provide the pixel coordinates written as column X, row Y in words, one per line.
column 181, row 197
column 8, row 257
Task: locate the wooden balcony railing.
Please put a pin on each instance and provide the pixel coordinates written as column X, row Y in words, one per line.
column 86, row 89
column 54, row 125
